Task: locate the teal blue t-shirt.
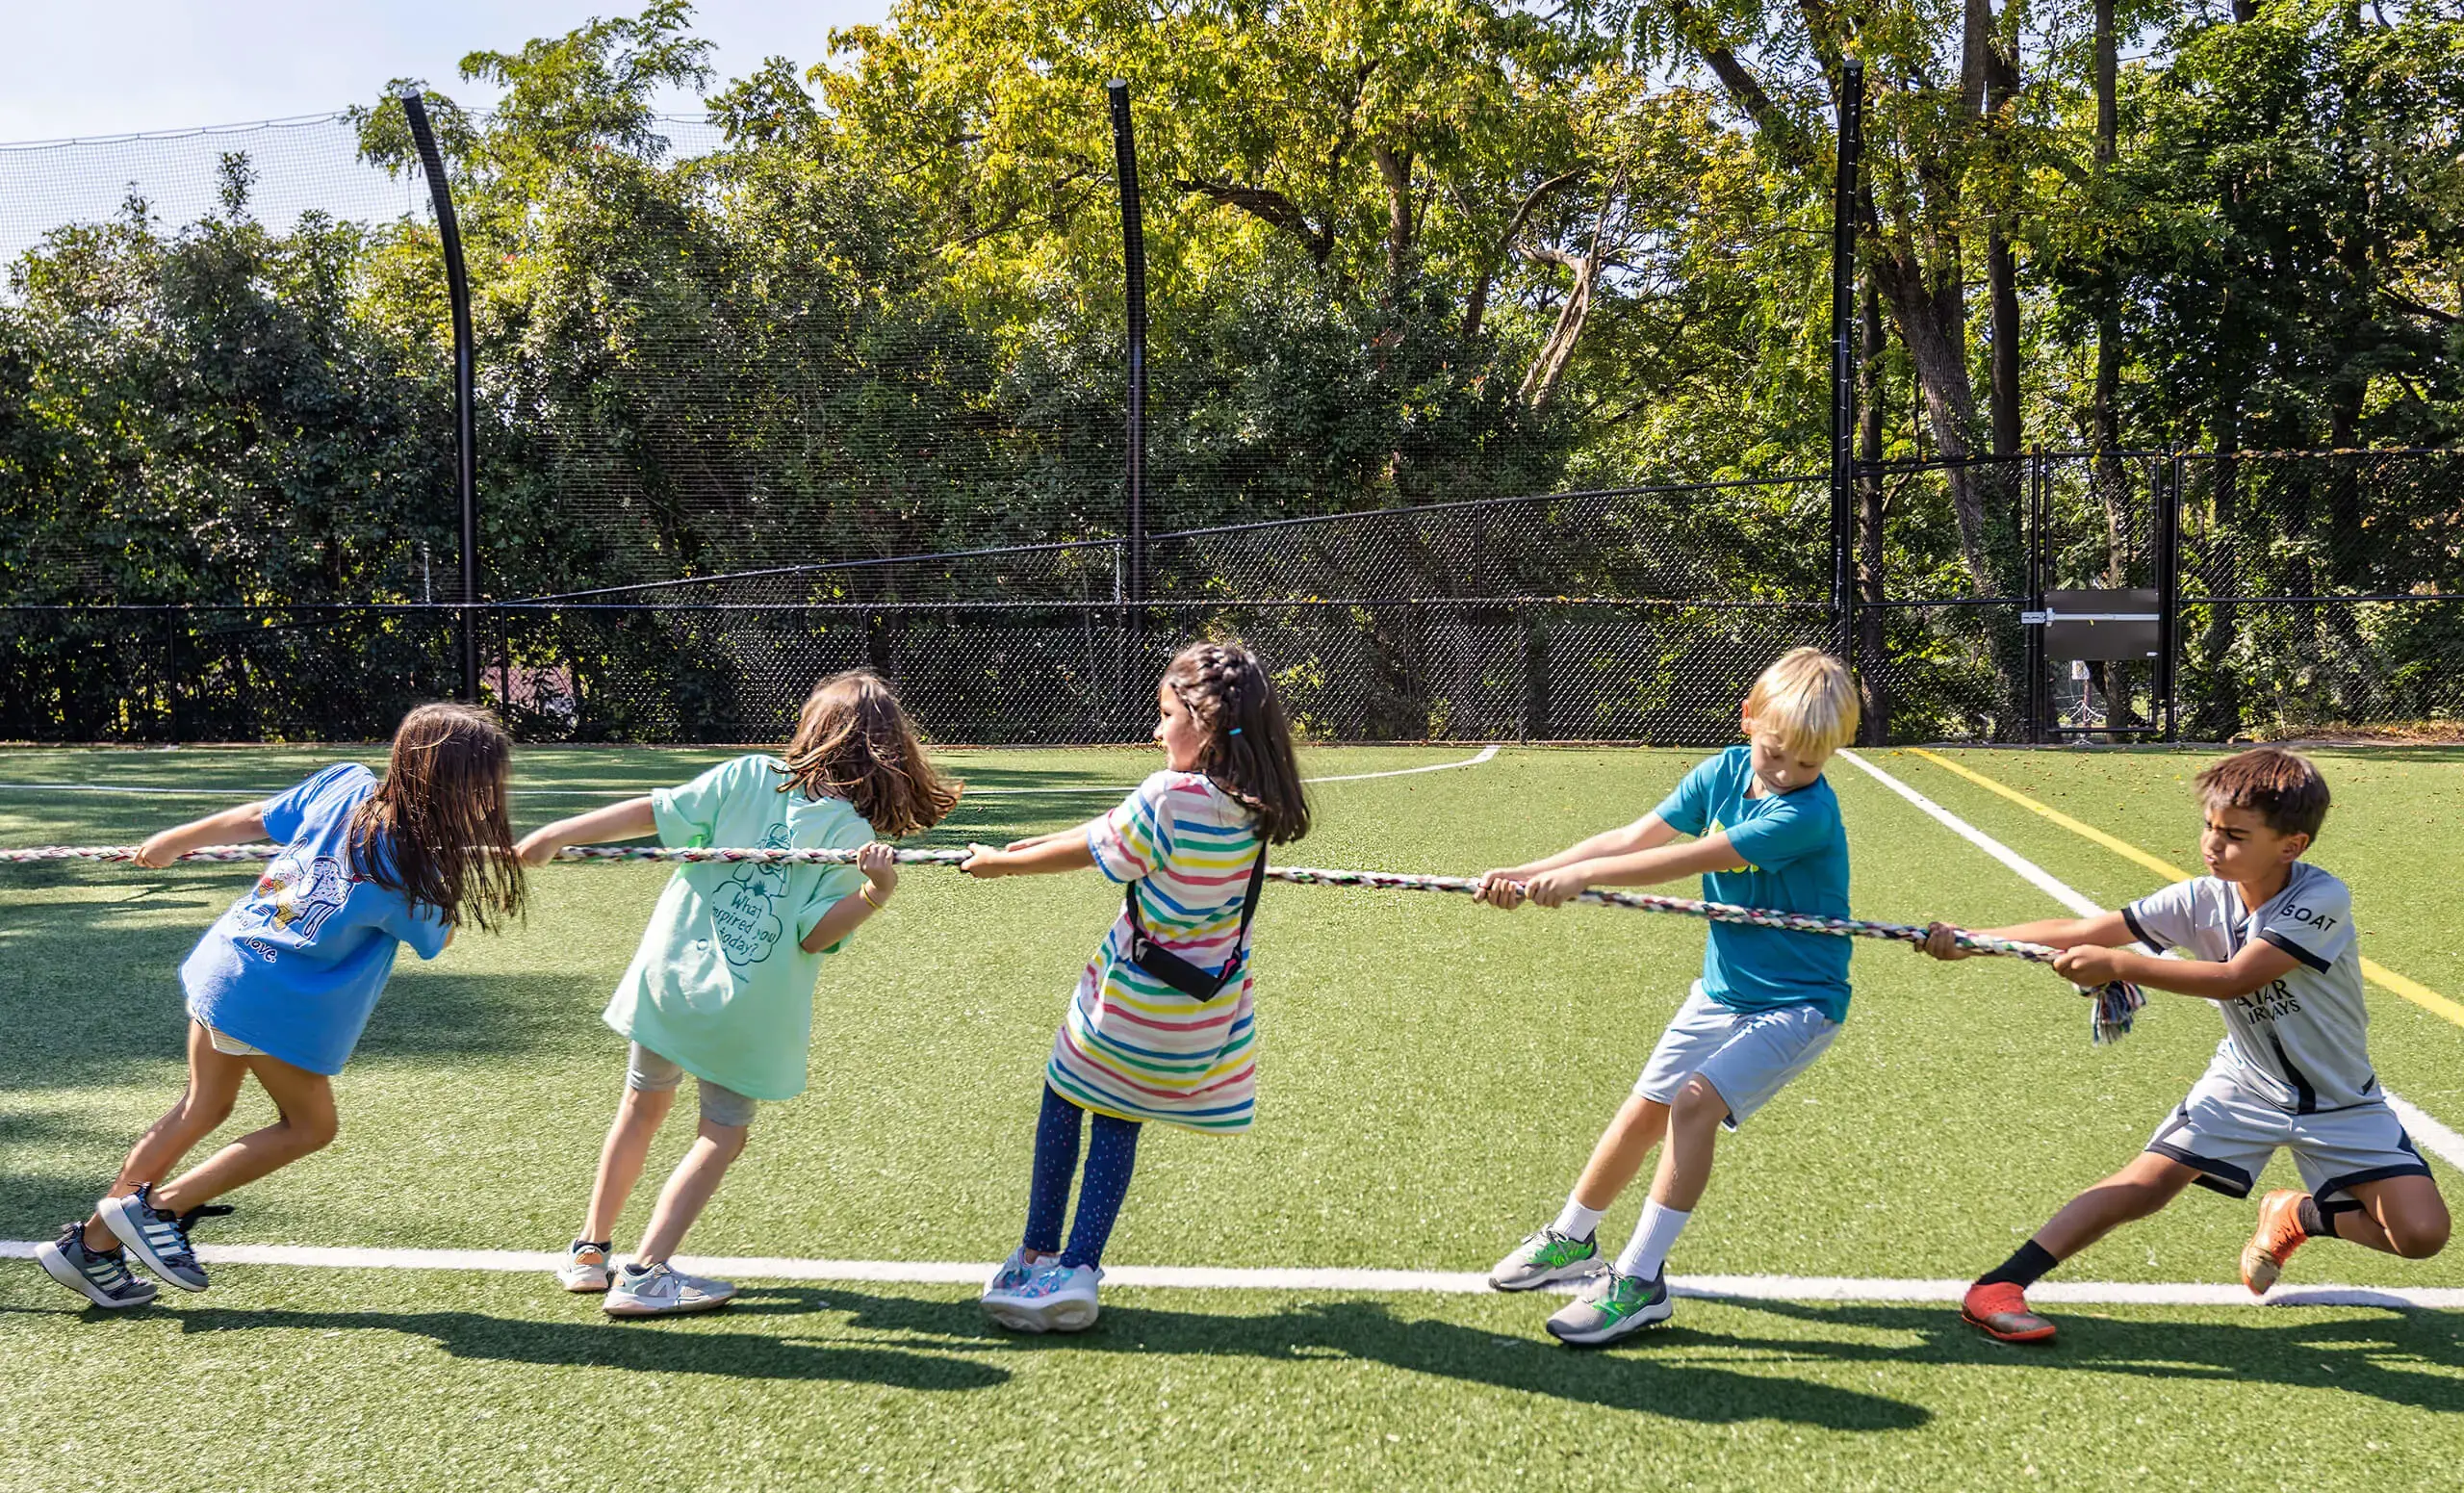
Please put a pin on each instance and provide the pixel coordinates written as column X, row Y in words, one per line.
column 1796, row 854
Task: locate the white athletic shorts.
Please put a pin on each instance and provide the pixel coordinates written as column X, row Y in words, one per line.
column 2227, row 1131
column 1747, row 1055
column 230, row 1047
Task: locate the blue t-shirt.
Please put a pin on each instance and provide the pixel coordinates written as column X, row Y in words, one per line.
column 293, row 967
column 1796, row 854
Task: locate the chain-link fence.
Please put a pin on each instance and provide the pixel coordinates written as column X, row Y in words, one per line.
column 2313, row 590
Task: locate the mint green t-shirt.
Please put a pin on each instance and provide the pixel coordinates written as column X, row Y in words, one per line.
column 721, row 985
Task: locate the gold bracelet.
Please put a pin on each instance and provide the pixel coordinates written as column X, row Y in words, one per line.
column 865, row 892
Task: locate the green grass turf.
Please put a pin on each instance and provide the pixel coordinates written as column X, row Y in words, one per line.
column 1432, row 1075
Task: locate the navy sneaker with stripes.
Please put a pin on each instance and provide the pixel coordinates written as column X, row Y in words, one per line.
column 158, row 1237
column 101, row 1275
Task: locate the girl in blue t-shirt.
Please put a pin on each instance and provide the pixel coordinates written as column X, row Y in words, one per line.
column 282, row 983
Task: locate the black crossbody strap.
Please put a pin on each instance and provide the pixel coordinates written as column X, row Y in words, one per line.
column 1191, row 980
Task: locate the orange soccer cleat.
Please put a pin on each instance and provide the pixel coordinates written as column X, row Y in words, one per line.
column 2000, row 1310
column 2280, row 1234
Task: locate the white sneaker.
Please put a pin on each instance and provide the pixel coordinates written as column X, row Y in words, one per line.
column 1056, row 1298
column 585, row 1268
column 662, row 1291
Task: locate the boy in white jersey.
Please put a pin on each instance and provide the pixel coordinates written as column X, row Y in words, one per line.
column 2270, row 940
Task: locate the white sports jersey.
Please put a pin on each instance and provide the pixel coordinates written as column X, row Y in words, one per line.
column 2300, row 1043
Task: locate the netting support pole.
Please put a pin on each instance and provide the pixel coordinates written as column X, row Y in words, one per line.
column 1843, row 360
column 1133, row 243
column 466, row 457
column 2168, row 485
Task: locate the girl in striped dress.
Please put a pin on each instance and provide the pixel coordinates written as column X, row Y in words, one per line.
column 1161, row 1027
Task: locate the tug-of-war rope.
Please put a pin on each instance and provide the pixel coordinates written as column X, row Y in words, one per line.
column 2116, row 1004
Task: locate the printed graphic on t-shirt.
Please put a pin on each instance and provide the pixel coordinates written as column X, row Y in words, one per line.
column 746, row 909
column 287, row 898
column 1715, row 827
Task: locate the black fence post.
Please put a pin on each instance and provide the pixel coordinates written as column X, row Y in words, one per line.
column 2032, row 512
column 1132, row 240
column 2169, row 585
column 466, row 459
column 1843, row 379
column 171, row 671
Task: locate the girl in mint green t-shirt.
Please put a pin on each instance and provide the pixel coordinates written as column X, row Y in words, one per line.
column 721, row 985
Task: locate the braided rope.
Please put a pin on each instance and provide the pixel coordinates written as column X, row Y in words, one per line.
column 2116, row 1003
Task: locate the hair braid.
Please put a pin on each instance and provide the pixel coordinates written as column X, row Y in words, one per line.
column 1248, row 749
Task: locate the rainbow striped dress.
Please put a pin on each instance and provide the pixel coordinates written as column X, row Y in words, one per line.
column 1132, row 1047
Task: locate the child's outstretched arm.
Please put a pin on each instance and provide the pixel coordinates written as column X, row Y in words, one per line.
column 1634, row 868
column 1076, row 833
column 1501, row 888
column 231, row 825
column 2095, row 952
column 1064, row 850
column 2104, row 930
column 633, row 819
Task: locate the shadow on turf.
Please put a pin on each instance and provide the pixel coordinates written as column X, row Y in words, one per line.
column 1369, row 1332
column 2296, row 1351
column 649, row 1348
column 92, row 993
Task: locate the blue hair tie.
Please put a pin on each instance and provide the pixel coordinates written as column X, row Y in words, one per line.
column 1234, row 732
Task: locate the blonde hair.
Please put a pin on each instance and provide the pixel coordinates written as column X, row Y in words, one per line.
column 1805, row 699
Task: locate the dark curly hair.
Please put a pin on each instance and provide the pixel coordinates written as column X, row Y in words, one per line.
column 1248, row 738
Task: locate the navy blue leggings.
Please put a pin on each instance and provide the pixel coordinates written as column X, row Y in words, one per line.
column 1110, row 1159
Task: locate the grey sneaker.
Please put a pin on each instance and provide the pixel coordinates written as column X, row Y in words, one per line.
column 585, row 1268
column 1011, row 1274
column 1543, row 1258
column 1612, row 1306
column 101, row 1275
column 662, row 1290
column 1054, row 1297
column 158, row 1237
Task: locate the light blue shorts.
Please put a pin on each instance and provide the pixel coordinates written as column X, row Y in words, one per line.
column 1747, row 1055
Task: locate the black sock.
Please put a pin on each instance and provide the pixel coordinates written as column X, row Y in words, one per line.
column 2023, row 1269
column 2314, row 1224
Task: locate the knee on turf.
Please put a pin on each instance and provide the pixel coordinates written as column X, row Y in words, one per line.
column 312, row 1132
column 1697, row 1103
column 2417, row 1236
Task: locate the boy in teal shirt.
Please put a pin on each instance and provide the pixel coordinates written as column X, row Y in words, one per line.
column 1766, row 833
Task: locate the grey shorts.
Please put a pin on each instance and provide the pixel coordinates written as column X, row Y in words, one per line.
column 2228, row 1132
column 1747, row 1055
column 647, row 1071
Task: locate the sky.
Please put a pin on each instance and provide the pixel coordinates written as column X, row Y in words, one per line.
column 130, row 67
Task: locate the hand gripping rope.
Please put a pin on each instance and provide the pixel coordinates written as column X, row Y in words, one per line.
column 2116, row 1003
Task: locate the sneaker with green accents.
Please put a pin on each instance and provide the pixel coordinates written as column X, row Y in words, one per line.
column 1612, row 1306
column 1543, row 1258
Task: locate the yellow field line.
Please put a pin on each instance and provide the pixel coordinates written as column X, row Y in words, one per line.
column 2376, row 973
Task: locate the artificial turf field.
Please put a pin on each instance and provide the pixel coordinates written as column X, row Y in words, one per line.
column 1432, row 1074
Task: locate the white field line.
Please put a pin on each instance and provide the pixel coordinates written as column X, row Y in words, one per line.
column 1747, row 1287
column 2442, row 1141
column 1075, row 790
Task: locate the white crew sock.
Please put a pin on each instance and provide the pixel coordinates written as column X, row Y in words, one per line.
column 1648, row 1250
column 1576, row 1222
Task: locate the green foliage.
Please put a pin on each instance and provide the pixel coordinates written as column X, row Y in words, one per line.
column 1400, row 252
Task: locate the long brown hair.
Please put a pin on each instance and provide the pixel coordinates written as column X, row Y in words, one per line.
column 854, row 741
column 435, row 830
column 1248, row 738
